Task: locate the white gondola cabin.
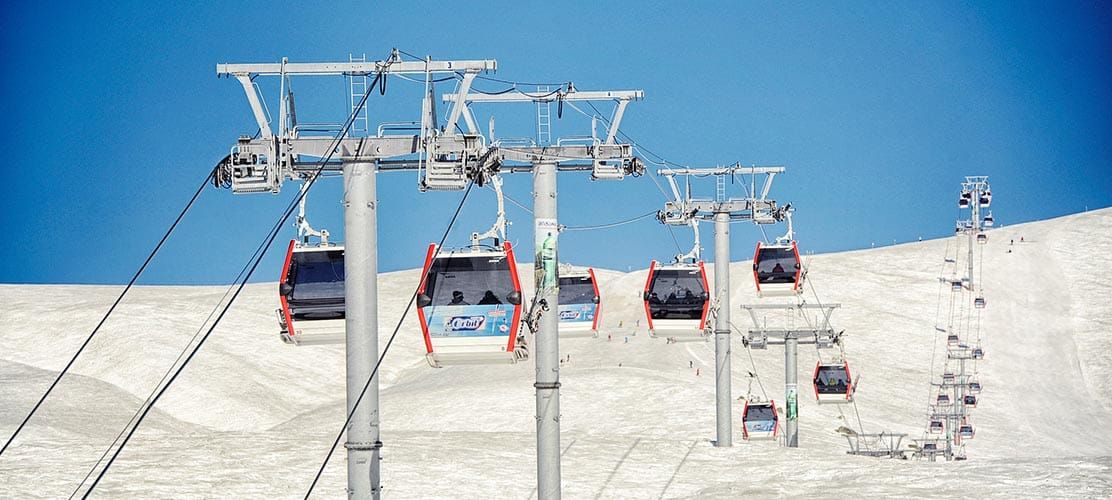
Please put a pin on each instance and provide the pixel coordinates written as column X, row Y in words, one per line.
column 979, row 302
column 580, row 304
column 943, row 400
column 777, row 270
column 989, row 221
column 978, row 353
column 759, row 421
column 936, row 426
column 965, row 430
column 677, row 299
column 953, row 339
column 469, row 307
column 975, row 387
column 311, row 293
column 985, row 199
column 833, row 383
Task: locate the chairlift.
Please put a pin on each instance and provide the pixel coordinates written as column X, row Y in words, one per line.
column 979, row 302
column 936, row 426
column 833, row 383
column 777, row 269
column 677, row 300
column 469, row 306
column 969, row 400
column 311, row 293
column 579, row 303
column 943, row 399
column 760, row 420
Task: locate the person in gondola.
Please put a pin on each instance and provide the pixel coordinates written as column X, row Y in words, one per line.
column 778, row 268
column 489, row 298
column 457, row 299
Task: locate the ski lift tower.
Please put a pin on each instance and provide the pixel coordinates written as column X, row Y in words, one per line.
column 818, row 333
column 606, row 159
column 687, row 210
column 262, row 164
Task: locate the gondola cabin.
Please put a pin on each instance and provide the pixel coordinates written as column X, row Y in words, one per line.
column 975, row 387
column 955, row 285
column 989, row 220
column 833, row 383
column 965, row 430
column 985, row 199
column 978, row 353
column 982, row 238
column 979, row 302
column 948, row 378
column 579, row 304
column 952, row 339
column 311, row 294
column 970, row 400
column 943, row 400
column 469, row 307
column 777, row 270
column 677, row 299
column 965, row 200
column 759, row 421
column 936, row 426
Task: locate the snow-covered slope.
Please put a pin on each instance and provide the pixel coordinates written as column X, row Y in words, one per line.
column 252, row 416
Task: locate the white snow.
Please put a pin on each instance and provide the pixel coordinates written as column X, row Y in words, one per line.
column 253, row 417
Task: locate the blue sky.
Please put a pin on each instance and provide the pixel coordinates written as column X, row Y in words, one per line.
column 114, row 114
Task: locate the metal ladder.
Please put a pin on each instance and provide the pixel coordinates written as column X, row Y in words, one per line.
column 720, row 188
column 544, row 118
column 358, row 84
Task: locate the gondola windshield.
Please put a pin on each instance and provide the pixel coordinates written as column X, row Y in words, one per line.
column 776, row 265
column 317, row 284
column 471, row 296
column 760, row 412
column 576, row 290
column 677, row 294
column 832, row 380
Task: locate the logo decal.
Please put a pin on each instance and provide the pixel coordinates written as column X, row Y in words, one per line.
column 569, row 315
column 465, row 323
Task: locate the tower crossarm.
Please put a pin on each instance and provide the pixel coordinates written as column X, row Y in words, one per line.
column 260, row 164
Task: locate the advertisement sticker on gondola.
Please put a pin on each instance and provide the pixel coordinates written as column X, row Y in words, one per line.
column 576, row 313
column 469, row 321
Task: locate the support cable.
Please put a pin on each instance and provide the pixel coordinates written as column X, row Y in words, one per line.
column 385, row 350
column 379, row 79
column 111, row 309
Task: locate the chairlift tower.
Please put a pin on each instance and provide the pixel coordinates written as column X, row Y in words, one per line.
column 687, row 210
column 606, row 159
column 975, row 195
column 445, row 160
column 819, row 333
